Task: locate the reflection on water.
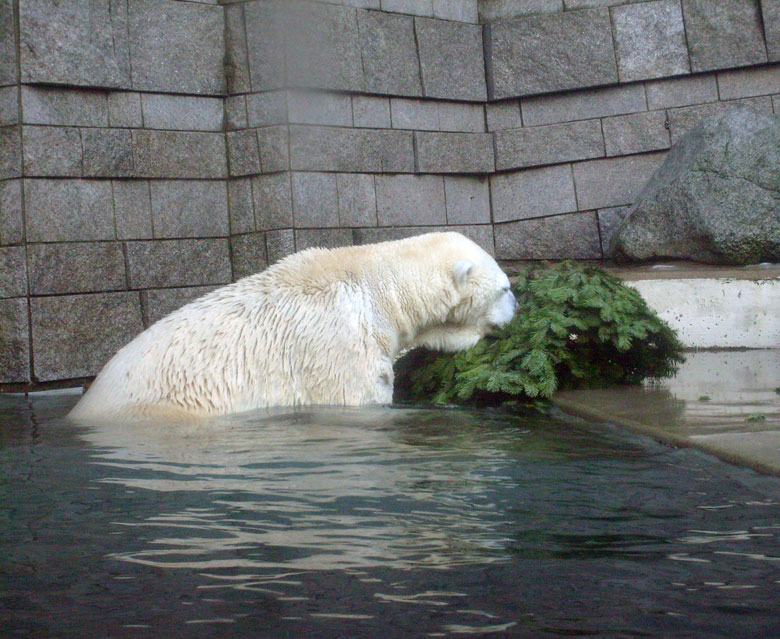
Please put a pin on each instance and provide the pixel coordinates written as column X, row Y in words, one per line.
column 375, row 523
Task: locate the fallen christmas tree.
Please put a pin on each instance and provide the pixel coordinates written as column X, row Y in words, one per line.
column 576, row 327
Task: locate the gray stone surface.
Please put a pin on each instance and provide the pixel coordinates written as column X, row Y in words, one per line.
column 723, row 34
column 451, row 59
column 389, row 50
column 266, row 109
column 235, row 113
column 315, row 200
column 532, row 193
column 124, row 109
column 11, row 218
column 192, row 208
column 310, row 107
column 770, row 13
column 279, row 244
column 492, row 10
column 744, row 83
column 676, row 92
column 179, row 154
column 684, row 119
column 243, row 154
column 13, row 272
column 636, row 133
column 715, row 199
column 460, row 10
column 273, row 145
column 107, row 152
column 157, row 303
column 371, row 112
column 177, row 47
column 75, row 43
column 468, row 200
column 650, row 40
column 583, row 105
column 573, row 236
column 132, row 209
column 9, row 106
column 66, row 107
column 76, row 267
column 165, row 263
column 322, row 238
column 464, row 118
column 75, row 335
column 266, row 31
column 414, row 7
column 552, row 144
column 609, row 222
column 236, row 53
column 357, row 199
column 408, row 200
column 10, row 152
column 273, row 201
column 14, row 341
column 8, row 61
column 248, row 254
column 68, row 210
column 241, row 208
column 551, row 52
column 411, row 113
column 503, row 115
column 182, row 112
column 454, row 152
column 614, row 181
column 359, row 150
column 51, row 151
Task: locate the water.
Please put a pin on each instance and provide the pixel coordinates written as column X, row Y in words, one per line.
column 376, row 523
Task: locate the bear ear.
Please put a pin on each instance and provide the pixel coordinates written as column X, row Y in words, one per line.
column 462, row 272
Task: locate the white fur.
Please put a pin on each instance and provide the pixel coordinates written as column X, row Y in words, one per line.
column 319, row 327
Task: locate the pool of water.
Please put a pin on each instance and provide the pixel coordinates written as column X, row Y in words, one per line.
column 376, row 523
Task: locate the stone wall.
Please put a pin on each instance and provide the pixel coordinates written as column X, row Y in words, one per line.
column 153, row 149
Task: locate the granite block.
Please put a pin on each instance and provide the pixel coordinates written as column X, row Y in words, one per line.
column 235, row 113
column 236, row 52
column 454, row 152
column 550, row 52
column 177, row 47
column 322, row 238
column 460, row 10
column 76, row 267
column 14, row 341
column 770, row 13
column 609, row 222
column 179, row 154
column 532, row 193
column 352, row 150
column 266, row 109
column 107, row 152
column 413, row 7
column 371, row 112
column 182, row 112
column 683, row 119
column 748, row 83
column 9, row 106
column 464, row 118
column 357, row 199
column 493, row 10
column 650, row 40
column 636, row 133
column 676, row 92
column 273, row 201
column 241, row 208
column 75, row 43
column 467, row 200
column 408, row 200
column 723, row 34
column 10, row 152
column 68, row 210
column 583, row 105
column 363, row 4
column 75, row 335
column 503, row 115
column 551, row 144
column 11, row 217
column 160, row 302
column 266, row 31
column 166, row 263
column 279, row 244
column 315, row 200
column 13, row 272
column 573, row 236
column 422, row 115
column 8, row 62
column 451, row 59
column 243, row 154
column 273, row 145
column 132, row 209
column 65, row 107
column 51, row 151
column 389, row 50
column 191, row 208
column 248, row 254
column 614, row 181
column 309, row 107
column 124, row 109
column 481, row 234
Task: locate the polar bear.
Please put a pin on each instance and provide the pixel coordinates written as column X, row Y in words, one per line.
column 320, row 327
